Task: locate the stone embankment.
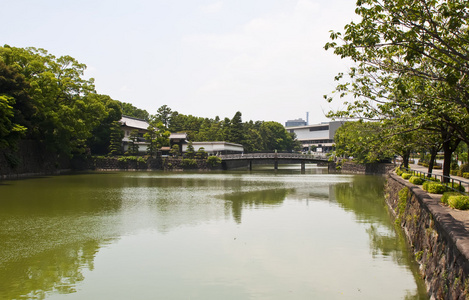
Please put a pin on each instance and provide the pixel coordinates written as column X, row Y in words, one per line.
column 167, row 164
column 438, row 236
column 31, row 158
column 354, row 168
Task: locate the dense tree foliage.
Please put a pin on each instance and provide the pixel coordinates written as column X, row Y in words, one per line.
column 46, row 98
column 411, row 67
column 132, row 111
column 157, row 137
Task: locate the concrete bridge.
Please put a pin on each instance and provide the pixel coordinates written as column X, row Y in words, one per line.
column 231, row 161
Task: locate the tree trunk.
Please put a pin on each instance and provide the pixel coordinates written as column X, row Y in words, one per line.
column 405, row 159
column 448, row 149
column 431, row 163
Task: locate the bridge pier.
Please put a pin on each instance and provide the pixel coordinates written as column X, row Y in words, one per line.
column 276, row 165
column 250, row 165
column 303, row 167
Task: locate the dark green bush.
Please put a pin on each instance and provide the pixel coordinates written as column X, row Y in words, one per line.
column 189, row 163
column 213, row 161
column 13, row 160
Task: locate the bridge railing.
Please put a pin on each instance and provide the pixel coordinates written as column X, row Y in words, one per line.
column 273, row 156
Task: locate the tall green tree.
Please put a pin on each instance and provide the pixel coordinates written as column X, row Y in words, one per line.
column 275, row 137
column 135, row 112
column 156, row 136
column 15, row 106
column 133, row 142
column 100, row 140
column 410, row 56
column 236, row 133
column 163, row 115
column 64, row 115
column 116, row 135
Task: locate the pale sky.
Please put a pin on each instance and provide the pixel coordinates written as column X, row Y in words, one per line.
column 207, row 58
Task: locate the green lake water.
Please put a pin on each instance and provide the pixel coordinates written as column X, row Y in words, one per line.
column 227, row 235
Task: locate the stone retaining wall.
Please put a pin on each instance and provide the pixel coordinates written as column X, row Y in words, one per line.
column 439, row 242
column 31, row 158
column 168, row 164
column 368, row 169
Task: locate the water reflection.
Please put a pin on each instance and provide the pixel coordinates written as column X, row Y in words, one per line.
column 58, row 270
column 250, row 200
column 365, row 198
column 52, row 230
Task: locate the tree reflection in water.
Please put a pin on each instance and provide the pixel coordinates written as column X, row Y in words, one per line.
column 364, row 196
column 242, row 200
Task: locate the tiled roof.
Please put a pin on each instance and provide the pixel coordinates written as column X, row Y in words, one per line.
column 180, row 135
column 134, row 122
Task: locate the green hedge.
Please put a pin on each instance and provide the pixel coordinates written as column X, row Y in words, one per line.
column 463, row 169
column 213, row 161
column 188, row 163
column 406, row 175
column 459, row 202
column 416, row 180
column 446, row 195
column 399, row 171
column 434, row 187
column 455, row 186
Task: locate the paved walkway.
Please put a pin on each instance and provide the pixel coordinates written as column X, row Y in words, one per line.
column 460, row 215
column 419, row 168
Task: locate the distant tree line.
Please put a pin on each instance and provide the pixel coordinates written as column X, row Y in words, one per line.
column 254, row 136
column 46, row 98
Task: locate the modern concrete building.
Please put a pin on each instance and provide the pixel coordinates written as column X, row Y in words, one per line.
column 318, row 137
column 295, row 123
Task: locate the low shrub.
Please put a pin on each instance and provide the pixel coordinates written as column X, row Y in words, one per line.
column 455, row 186
column 446, row 195
column 416, row 180
column 402, row 202
column 465, row 175
column 434, row 187
column 132, row 158
column 459, row 202
column 406, row 175
column 463, row 169
column 188, row 163
column 399, row 171
column 213, row 161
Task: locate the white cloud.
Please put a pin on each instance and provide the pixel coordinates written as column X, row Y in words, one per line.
column 212, row 8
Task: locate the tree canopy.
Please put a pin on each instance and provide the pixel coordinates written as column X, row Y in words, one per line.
column 46, row 98
column 410, row 65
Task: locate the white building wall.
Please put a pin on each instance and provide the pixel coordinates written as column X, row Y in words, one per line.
column 214, row 147
column 306, row 134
